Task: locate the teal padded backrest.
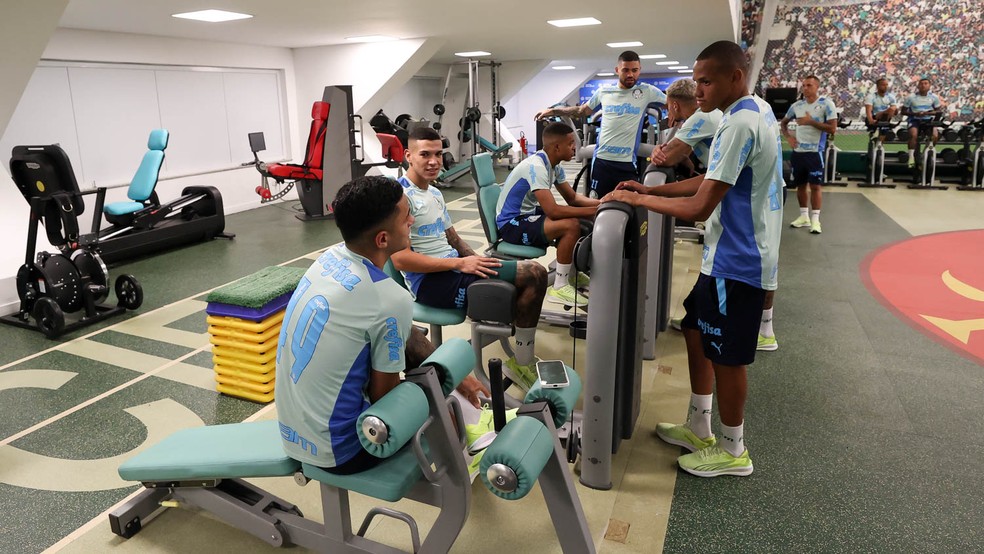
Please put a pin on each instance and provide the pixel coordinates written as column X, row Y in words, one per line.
column 394, row 273
column 483, row 172
column 145, row 179
column 488, row 198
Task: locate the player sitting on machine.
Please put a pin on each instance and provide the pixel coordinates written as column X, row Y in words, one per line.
column 528, row 214
column 439, row 265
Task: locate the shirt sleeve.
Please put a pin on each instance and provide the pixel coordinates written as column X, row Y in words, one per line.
column 595, row 101
column 869, row 100
column 539, row 178
column 389, row 332
column 936, row 102
column 656, row 95
column 831, row 110
column 695, row 129
column 560, row 176
column 729, row 151
column 893, row 101
column 791, row 113
column 907, row 103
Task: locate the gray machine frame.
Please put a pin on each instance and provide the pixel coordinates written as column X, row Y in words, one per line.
column 280, row 523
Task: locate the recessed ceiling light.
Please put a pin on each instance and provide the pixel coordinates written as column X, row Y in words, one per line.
column 685, row 71
column 624, row 44
column 563, row 67
column 576, row 22
column 652, row 56
column 677, row 67
column 474, row 54
column 212, row 16
column 674, row 62
column 370, row 38
column 609, row 74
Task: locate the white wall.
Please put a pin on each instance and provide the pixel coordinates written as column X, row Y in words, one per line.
column 545, row 89
column 77, row 45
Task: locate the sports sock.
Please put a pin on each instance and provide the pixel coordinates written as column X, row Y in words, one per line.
column 804, row 212
column 561, row 274
column 733, row 439
column 814, row 216
column 765, row 327
column 525, row 339
column 699, row 418
column 912, row 154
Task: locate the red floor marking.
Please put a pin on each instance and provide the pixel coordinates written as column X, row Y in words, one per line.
column 934, row 283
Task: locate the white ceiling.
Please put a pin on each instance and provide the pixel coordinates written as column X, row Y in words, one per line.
column 510, row 29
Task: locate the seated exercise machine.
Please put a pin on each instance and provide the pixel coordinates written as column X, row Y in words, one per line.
column 830, row 153
column 411, row 429
column 875, row 175
column 73, row 280
column 972, row 173
column 143, row 224
column 924, row 172
column 331, row 158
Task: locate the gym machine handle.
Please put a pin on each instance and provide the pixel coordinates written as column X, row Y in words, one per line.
column 358, row 144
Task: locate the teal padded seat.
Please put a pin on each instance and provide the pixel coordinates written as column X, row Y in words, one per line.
column 435, row 317
column 389, row 481
column 231, row 451
column 488, row 199
column 144, row 180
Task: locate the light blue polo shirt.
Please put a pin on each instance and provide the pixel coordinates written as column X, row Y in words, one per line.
column 919, row 103
column 623, row 113
column 880, row 103
column 741, row 241
column 517, row 197
column 430, row 222
column 697, row 132
column 811, row 139
column 346, row 318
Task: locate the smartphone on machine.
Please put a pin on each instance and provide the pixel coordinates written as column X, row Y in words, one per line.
column 552, row 374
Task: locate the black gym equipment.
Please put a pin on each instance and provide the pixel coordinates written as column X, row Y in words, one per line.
column 972, row 164
column 73, row 280
column 875, row 161
column 830, row 174
column 924, row 172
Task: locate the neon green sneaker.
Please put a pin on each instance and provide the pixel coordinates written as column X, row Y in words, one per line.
column 567, row 296
column 801, row 221
column 681, row 435
column 676, row 323
column 767, row 344
column 480, row 435
column 474, row 465
column 580, row 281
column 715, row 461
column 815, row 227
column 522, row 375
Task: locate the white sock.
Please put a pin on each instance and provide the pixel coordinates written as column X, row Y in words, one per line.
column 912, row 154
column 561, row 274
column 699, row 418
column 804, row 212
column 765, row 327
column 469, row 413
column 733, row 439
column 525, row 339
column 814, row 216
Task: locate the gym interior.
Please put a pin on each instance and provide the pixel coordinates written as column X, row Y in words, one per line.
column 865, row 422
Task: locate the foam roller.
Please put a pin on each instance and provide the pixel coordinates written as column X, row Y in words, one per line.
column 391, row 422
column 561, row 400
column 514, row 460
column 455, row 359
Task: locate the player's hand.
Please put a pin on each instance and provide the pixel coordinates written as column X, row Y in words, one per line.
column 478, row 265
column 793, row 143
column 629, row 197
column 633, row 186
column 658, row 157
column 471, row 387
column 542, row 114
column 805, row 120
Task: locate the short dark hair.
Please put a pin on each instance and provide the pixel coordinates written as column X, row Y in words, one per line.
column 628, row 56
column 424, row 133
column 812, row 76
column 362, row 204
column 557, row 129
column 927, row 79
column 728, row 55
column 880, row 79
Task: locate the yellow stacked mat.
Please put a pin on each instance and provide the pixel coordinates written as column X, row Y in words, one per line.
column 244, row 353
